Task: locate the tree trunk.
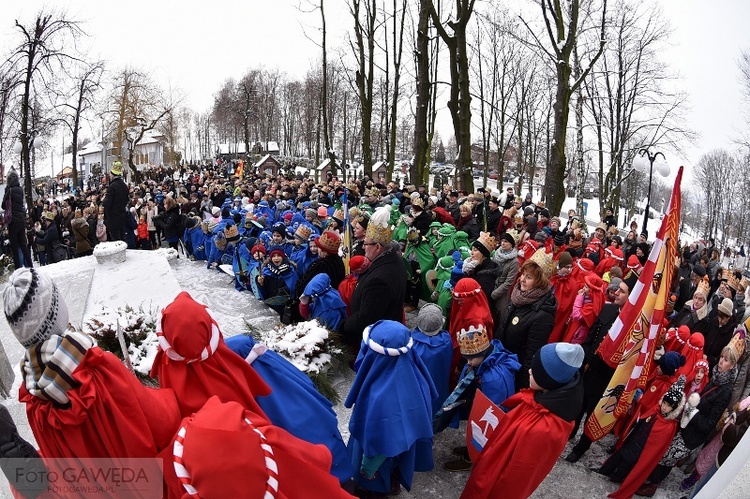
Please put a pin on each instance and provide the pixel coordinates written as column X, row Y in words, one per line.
column 420, row 167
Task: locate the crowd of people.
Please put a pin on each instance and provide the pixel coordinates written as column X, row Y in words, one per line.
column 510, row 300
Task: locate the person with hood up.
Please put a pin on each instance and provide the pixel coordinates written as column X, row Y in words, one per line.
column 194, row 361
column 391, row 423
column 225, row 449
column 294, row 403
column 322, row 302
column 434, row 346
column 565, row 287
column 586, row 307
column 80, row 400
column 533, row 433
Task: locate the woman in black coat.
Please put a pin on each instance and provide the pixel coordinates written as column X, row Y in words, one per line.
column 17, row 226
column 529, row 318
column 169, row 222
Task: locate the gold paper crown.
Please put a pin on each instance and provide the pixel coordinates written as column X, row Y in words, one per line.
column 487, row 240
column 474, row 340
column 743, row 285
column 338, row 214
column 738, row 343
column 379, row 229
column 545, row 261
column 303, row 232
column 732, row 281
column 231, row 233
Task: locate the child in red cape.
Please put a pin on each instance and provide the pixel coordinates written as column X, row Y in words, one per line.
column 195, row 362
column 224, row 450
column 533, row 434
column 647, row 443
column 586, row 307
column 80, row 400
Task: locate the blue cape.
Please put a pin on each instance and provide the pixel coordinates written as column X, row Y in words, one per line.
column 437, row 353
column 303, row 258
column 197, row 240
column 295, row 404
column 392, row 416
column 326, row 304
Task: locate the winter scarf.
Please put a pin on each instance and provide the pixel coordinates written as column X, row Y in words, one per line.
column 48, row 367
column 522, row 298
column 722, row 378
column 502, row 256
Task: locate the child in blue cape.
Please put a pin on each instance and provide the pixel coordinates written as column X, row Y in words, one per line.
column 294, row 403
column 320, row 301
column 391, row 424
column 434, row 346
column 489, row 367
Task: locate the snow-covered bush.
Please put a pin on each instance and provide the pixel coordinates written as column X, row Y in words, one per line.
column 312, row 349
column 139, row 329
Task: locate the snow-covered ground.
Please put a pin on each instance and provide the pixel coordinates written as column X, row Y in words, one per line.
column 148, row 279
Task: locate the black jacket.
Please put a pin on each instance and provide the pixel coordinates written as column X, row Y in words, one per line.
column 169, row 222
column 525, row 330
column 116, row 202
column 485, row 274
column 714, row 399
column 332, row 265
column 379, row 295
column 14, row 191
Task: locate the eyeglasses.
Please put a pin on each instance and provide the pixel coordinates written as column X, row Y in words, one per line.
column 369, row 244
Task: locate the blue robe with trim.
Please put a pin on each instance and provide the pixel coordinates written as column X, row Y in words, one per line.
column 296, row 405
column 326, row 304
column 437, row 353
column 392, row 416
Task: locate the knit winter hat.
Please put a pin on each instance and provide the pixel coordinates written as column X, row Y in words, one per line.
column 564, row 259
column 358, row 264
column 257, row 248
column 277, row 250
column 507, row 237
column 322, row 212
column 116, row 168
column 430, row 319
column 555, row 364
column 216, row 211
column 726, row 306
column 614, row 284
column 33, row 307
column 670, row 362
column 559, row 238
column 674, row 395
column 329, row 242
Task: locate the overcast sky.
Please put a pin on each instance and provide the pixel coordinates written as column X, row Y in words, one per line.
column 197, row 45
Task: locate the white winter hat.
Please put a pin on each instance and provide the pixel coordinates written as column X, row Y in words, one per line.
column 33, row 307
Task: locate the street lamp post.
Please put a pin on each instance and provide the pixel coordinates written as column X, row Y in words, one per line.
column 644, row 158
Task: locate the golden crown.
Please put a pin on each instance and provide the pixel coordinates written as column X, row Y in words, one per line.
column 487, row 240
column 731, row 278
column 379, row 234
column 545, row 261
column 703, row 287
column 474, row 340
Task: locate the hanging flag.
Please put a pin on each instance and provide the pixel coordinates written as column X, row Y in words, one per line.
column 484, row 418
column 629, row 346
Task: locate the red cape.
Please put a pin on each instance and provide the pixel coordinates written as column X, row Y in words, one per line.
column 520, row 453
column 223, row 455
column 188, row 327
column 346, row 288
column 656, row 445
column 566, row 289
column 111, row 414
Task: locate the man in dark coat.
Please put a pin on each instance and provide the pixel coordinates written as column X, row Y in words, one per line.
column 115, row 204
column 17, row 225
column 381, row 289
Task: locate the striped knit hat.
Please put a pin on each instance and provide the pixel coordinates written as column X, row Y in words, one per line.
column 33, row 307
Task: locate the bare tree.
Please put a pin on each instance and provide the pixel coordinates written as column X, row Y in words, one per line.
column 87, row 83
column 364, row 13
column 139, row 106
column 563, row 24
column 425, row 61
column 459, row 102
column 42, row 51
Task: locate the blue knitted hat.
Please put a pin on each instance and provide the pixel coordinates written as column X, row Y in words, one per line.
column 555, row 364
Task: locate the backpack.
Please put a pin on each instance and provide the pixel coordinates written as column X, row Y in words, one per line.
column 101, row 231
